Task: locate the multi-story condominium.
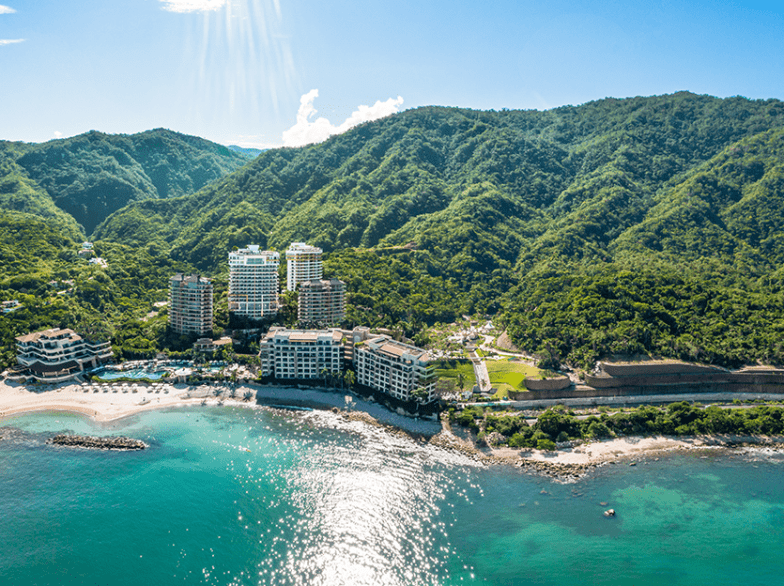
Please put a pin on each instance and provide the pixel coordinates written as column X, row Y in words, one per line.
column 301, row 354
column 303, row 263
column 322, row 302
column 253, row 282
column 56, row 355
column 190, row 304
column 394, row 368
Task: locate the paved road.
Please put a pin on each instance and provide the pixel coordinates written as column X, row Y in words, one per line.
column 480, row 371
column 635, row 400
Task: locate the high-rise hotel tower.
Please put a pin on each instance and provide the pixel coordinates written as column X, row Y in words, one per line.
column 190, row 304
column 253, row 282
column 303, row 264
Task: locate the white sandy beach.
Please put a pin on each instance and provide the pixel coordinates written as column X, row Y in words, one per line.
column 107, row 402
column 102, row 402
column 610, row 450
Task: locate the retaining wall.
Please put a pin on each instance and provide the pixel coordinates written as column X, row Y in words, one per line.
column 656, row 368
column 549, row 384
column 751, row 385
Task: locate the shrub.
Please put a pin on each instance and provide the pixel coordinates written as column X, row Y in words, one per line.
column 545, row 444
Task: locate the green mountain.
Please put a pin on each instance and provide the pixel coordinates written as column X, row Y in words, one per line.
column 437, row 212
column 94, row 174
column 51, row 193
column 619, row 226
column 19, row 193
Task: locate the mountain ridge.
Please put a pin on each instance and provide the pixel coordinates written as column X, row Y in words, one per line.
column 640, row 209
column 91, row 175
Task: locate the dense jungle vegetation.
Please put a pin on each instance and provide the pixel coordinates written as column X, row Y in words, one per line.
column 679, row 419
column 642, row 225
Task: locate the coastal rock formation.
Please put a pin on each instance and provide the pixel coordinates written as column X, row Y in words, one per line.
column 97, row 443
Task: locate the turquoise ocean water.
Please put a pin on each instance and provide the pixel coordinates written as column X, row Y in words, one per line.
column 320, row 501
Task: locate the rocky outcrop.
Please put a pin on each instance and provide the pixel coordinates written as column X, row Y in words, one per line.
column 97, row 443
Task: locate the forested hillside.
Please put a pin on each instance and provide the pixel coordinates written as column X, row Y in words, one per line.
column 94, row 174
column 51, row 197
column 619, row 226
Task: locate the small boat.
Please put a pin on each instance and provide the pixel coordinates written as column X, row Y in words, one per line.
column 609, row 513
column 244, row 449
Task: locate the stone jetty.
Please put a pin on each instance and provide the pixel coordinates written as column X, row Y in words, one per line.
column 97, row 443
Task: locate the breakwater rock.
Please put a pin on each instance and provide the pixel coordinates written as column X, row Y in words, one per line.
column 97, row 443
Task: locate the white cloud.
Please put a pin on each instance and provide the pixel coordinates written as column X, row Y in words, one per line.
column 58, row 134
column 6, row 9
column 9, row 41
column 192, row 5
column 307, row 132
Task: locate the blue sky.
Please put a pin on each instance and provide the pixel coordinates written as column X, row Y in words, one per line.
column 241, row 71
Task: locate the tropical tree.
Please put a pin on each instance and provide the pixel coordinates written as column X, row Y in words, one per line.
column 420, row 395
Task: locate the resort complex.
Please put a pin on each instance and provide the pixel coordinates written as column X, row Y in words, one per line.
column 381, row 363
column 401, row 370
column 190, row 304
column 253, row 282
column 57, row 355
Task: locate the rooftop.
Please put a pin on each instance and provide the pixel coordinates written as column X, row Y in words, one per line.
column 189, row 278
column 397, row 349
column 53, row 333
column 322, row 284
column 305, row 335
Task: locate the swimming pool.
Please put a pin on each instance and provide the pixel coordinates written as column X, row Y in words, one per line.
column 140, row 373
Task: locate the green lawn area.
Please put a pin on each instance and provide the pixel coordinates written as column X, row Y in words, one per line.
column 506, row 375
column 448, row 369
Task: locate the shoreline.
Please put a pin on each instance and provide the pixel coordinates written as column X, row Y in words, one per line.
column 114, row 401
column 571, row 464
column 107, row 402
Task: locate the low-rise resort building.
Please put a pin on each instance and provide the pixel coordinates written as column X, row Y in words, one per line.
column 394, row 368
column 57, row 355
column 380, row 362
column 301, row 354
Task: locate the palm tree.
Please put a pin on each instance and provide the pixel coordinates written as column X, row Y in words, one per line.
column 324, row 372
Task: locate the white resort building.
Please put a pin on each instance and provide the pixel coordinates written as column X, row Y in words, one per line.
column 301, row 354
column 303, row 263
column 394, row 368
column 56, row 355
column 253, row 282
column 190, row 304
column 322, row 302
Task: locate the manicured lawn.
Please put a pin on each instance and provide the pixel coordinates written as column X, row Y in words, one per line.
column 449, row 369
column 506, row 375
